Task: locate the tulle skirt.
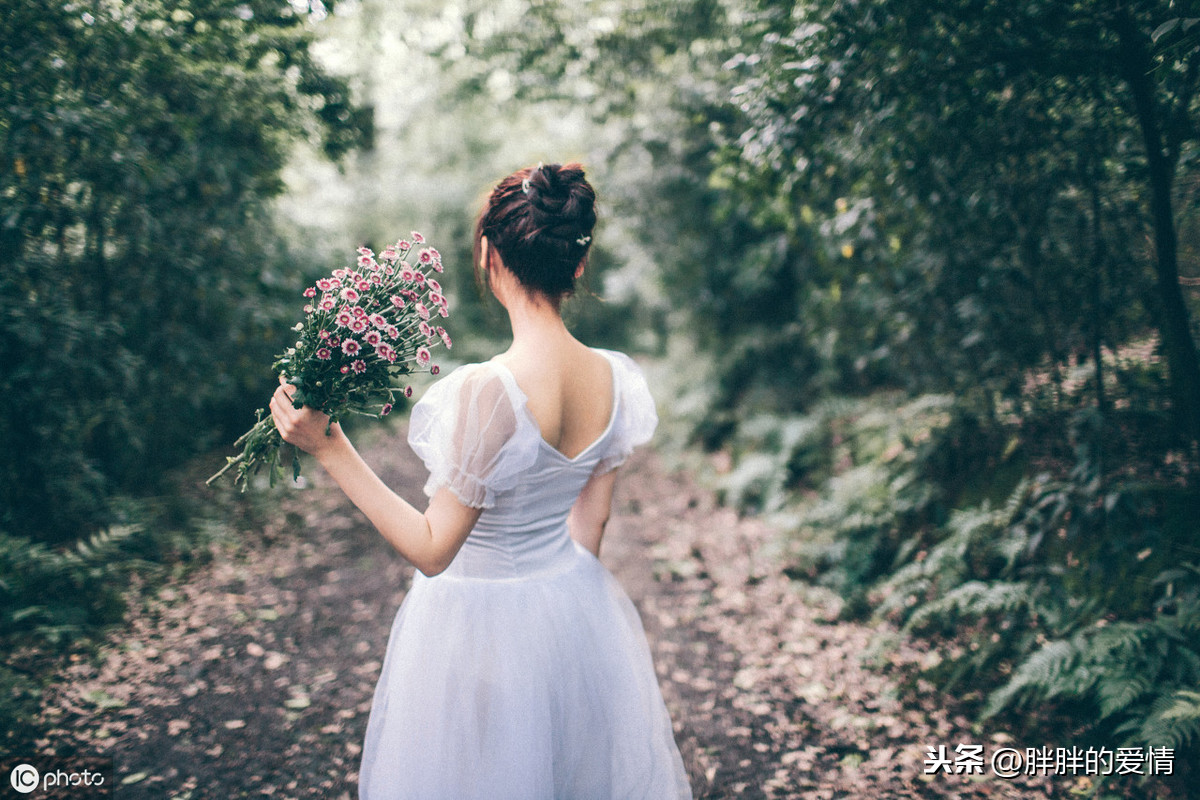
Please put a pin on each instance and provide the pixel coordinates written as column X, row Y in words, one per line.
column 539, row 687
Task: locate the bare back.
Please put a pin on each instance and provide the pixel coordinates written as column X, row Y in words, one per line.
column 570, row 392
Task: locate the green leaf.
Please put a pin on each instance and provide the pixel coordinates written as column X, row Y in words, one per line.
column 1164, row 29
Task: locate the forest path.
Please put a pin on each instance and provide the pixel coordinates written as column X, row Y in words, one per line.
column 253, row 676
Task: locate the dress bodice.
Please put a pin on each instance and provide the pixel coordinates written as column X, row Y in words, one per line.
column 476, row 435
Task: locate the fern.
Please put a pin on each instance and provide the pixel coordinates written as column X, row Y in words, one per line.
column 972, row 600
column 1174, row 720
column 1041, row 673
column 54, row 593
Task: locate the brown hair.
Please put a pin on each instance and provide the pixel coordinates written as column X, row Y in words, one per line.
column 540, row 221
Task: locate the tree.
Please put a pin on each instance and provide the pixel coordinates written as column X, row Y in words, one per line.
column 139, row 144
column 1015, row 154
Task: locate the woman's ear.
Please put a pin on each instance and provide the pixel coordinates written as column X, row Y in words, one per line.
column 483, row 253
column 579, row 271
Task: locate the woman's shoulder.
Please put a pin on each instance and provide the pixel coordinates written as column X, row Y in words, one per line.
column 481, row 380
column 626, row 372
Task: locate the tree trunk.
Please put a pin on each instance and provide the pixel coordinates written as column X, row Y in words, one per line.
column 1137, row 69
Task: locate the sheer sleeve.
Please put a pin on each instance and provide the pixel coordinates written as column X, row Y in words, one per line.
column 636, row 417
column 467, row 431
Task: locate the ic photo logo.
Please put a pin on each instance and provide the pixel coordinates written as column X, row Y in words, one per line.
column 24, row 778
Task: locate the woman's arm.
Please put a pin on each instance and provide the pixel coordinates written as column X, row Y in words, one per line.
column 591, row 511
column 430, row 540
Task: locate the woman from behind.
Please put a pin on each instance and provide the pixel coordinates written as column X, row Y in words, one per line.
column 516, row 666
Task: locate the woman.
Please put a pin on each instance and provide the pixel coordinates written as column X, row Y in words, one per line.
column 516, row 667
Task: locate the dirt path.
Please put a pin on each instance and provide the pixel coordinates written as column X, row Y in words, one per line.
column 254, row 677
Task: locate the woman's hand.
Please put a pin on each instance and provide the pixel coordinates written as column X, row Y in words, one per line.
column 303, row 427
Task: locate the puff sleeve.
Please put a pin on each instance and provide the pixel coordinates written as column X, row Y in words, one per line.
column 467, row 431
column 636, row 417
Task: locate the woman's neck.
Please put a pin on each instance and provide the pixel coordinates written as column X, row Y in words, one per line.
column 535, row 323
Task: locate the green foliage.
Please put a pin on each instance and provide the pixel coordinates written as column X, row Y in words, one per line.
column 1056, row 595
column 54, row 594
column 139, row 144
column 1064, row 600
column 864, row 459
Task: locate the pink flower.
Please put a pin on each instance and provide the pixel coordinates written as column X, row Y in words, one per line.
column 323, row 334
column 397, row 301
column 334, row 341
column 418, row 238
column 359, row 366
column 327, row 304
column 351, row 347
column 358, row 325
column 436, row 255
column 435, row 369
column 310, row 292
column 366, row 262
column 443, row 311
column 387, row 409
column 366, row 251
column 376, row 278
column 445, row 337
column 426, row 331
column 419, row 278
column 339, row 273
column 408, row 391
column 344, row 318
column 324, row 354
column 392, row 332
column 325, row 284
column 436, row 298
column 378, row 321
column 422, row 311
column 389, row 269
column 425, row 256
column 437, row 287
column 364, row 286
column 350, row 295
column 385, row 351
column 308, row 309
column 390, row 254
column 437, row 266
column 406, row 274
column 372, row 338
column 345, row 369
column 358, row 311
column 422, row 355
column 403, row 245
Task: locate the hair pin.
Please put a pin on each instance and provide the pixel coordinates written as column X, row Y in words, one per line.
column 525, row 186
column 583, row 240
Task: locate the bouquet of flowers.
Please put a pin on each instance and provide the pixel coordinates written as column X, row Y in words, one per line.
column 364, row 328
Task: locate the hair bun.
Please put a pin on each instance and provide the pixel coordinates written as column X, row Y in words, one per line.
column 548, row 193
column 540, row 221
column 563, row 200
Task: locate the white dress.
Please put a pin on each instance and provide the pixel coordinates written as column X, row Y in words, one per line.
column 522, row 671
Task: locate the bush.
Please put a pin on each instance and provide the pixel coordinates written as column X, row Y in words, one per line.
column 141, row 141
